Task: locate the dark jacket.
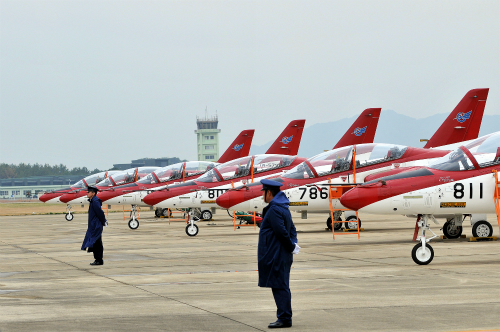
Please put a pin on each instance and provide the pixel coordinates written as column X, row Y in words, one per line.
column 277, row 238
column 96, row 222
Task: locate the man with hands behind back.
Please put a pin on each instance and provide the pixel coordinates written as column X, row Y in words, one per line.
column 277, row 244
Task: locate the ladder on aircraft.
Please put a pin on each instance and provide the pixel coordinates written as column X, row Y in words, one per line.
column 336, row 191
column 496, row 197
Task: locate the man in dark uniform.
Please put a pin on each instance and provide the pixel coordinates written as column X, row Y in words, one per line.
column 277, row 243
column 97, row 220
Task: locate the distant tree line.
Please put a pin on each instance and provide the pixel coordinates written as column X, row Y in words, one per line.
column 10, row 171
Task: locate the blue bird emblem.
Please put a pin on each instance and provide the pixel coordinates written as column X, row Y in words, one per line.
column 360, row 131
column 286, row 140
column 461, row 117
column 238, row 147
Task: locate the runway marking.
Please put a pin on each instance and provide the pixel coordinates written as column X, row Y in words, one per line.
column 130, row 285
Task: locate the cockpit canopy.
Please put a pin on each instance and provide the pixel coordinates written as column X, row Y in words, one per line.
column 93, row 179
column 127, row 176
column 484, row 152
column 242, row 167
column 174, row 171
column 340, row 160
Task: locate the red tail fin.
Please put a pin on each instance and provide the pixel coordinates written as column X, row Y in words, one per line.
column 362, row 130
column 464, row 122
column 289, row 141
column 239, row 148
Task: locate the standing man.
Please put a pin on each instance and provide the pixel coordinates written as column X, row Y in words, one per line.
column 97, row 220
column 277, row 243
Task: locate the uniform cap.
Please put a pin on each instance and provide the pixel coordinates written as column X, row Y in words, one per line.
column 92, row 188
column 268, row 184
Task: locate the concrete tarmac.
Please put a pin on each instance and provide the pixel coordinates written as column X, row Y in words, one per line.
column 156, row 278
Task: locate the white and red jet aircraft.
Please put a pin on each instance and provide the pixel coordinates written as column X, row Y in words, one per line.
column 462, row 182
column 117, row 179
column 362, row 131
column 55, row 195
column 336, row 167
column 279, row 157
column 133, row 193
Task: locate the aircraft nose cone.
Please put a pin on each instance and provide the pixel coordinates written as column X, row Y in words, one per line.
column 229, row 199
column 45, row 197
column 66, row 198
column 351, row 199
column 154, row 198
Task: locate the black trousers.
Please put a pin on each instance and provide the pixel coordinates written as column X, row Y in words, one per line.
column 98, row 249
column 283, row 299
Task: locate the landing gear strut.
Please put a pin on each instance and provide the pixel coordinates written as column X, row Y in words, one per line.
column 192, row 228
column 69, row 215
column 422, row 252
column 133, row 223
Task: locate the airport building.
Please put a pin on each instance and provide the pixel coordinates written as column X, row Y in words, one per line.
column 207, row 138
column 18, row 188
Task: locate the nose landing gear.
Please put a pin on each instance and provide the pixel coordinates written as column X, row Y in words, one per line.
column 422, row 253
column 133, row 223
column 69, row 215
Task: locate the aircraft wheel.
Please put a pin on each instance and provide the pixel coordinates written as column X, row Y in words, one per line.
column 192, row 230
column 133, row 223
column 351, row 223
column 451, row 231
column 482, row 228
column 337, row 225
column 422, row 256
column 206, row 215
column 69, row 216
column 165, row 212
column 158, row 212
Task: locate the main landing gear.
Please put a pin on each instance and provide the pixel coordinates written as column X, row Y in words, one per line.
column 482, row 228
column 451, row 230
column 337, row 225
column 422, row 252
column 133, row 223
column 69, row 215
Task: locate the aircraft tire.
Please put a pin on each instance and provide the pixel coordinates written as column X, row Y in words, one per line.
column 192, row 230
column 133, row 223
column 350, row 222
column 206, row 215
column 452, row 232
column 420, row 256
column 158, row 212
column 482, row 228
column 337, row 226
column 69, row 216
column 165, row 212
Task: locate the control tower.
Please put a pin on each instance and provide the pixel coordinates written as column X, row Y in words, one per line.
column 207, row 138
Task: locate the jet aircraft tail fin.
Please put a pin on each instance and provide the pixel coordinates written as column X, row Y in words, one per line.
column 239, row 148
column 288, row 142
column 362, row 130
column 464, row 122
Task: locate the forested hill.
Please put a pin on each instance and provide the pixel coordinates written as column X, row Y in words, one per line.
column 11, row 171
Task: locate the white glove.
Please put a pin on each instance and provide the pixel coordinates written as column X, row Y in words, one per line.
column 296, row 250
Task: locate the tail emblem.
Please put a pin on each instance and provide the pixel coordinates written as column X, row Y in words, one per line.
column 461, row 117
column 287, row 140
column 238, row 147
column 360, row 131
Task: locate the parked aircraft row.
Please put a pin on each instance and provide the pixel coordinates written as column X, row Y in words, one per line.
column 408, row 180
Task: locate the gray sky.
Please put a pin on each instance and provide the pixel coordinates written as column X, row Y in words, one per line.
column 92, row 83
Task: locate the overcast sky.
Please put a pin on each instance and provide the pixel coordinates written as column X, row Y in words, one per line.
column 92, row 83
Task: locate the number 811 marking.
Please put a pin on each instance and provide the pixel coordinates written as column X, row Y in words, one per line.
column 314, row 192
column 459, row 190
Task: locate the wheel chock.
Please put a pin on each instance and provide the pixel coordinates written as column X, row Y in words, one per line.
column 486, row 238
column 463, row 236
column 353, row 230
